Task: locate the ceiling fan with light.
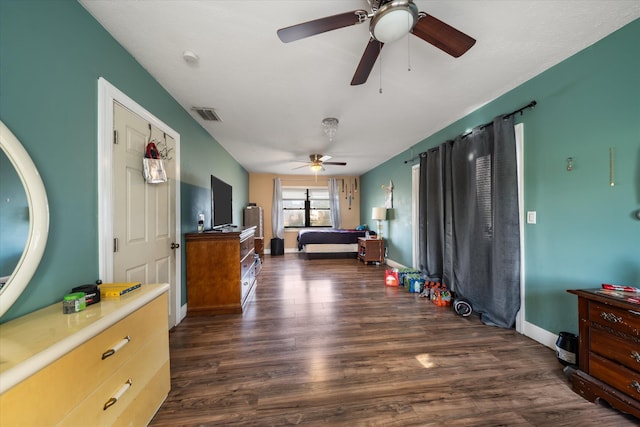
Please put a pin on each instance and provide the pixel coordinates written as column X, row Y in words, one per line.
column 390, row 21
column 317, row 162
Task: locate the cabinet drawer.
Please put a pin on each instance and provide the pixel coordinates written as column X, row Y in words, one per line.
column 245, row 246
column 617, row 376
column 146, row 404
column 62, row 385
column 626, row 321
column 140, row 369
column 247, row 283
column 624, row 351
column 247, row 264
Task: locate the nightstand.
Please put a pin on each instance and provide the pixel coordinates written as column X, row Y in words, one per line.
column 370, row 250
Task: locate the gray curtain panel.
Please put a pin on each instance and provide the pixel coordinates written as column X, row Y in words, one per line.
column 334, row 203
column 469, row 220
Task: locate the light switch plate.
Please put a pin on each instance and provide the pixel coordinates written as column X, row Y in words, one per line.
column 531, row 217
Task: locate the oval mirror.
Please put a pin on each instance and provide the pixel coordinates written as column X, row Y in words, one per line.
column 38, row 228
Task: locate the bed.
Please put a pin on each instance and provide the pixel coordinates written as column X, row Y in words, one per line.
column 330, row 242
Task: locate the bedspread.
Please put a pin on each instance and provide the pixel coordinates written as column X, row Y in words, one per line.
column 330, row 235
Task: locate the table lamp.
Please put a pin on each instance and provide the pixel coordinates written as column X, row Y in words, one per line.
column 379, row 214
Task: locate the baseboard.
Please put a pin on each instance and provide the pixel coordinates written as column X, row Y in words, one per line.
column 393, row 264
column 286, row 251
column 543, row 336
column 183, row 313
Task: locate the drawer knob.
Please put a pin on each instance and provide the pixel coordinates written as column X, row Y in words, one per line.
column 116, row 347
column 610, row 317
column 114, row 399
column 635, row 356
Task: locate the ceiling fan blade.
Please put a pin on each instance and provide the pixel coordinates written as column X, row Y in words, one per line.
column 324, row 158
column 335, row 163
column 367, row 62
column 322, row 25
column 300, row 167
column 443, row 36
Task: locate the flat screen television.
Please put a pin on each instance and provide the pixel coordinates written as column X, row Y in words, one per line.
column 221, row 204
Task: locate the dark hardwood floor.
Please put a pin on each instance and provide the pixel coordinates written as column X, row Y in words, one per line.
column 324, row 342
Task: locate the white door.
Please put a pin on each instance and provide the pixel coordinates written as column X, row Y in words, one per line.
column 144, row 214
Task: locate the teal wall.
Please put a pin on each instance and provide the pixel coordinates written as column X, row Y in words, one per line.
column 51, row 55
column 586, row 233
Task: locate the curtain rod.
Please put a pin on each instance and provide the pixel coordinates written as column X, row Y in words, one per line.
column 506, row 116
column 312, row 177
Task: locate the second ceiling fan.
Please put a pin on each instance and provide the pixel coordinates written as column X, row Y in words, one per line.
column 390, row 21
column 317, row 161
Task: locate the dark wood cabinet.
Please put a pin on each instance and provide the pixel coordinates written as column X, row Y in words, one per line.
column 221, row 271
column 259, row 247
column 609, row 349
column 370, row 250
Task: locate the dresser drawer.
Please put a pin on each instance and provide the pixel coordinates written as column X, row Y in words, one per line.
column 626, row 321
column 146, row 404
column 246, row 245
column 63, row 384
column 247, row 283
column 247, row 264
column 621, row 350
column 140, row 369
column 617, row 376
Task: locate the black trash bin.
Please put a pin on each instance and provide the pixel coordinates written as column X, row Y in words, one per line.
column 567, row 348
column 277, row 246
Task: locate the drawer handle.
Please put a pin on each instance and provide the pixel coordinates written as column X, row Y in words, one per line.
column 610, row 317
column 121, row 391
column 116, row 347
column 635, row 356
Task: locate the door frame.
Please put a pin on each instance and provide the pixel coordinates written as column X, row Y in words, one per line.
column 107, row 95
column 519, row 132
column 415, row 214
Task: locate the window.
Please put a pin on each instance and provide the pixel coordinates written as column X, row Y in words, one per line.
column 306, row 207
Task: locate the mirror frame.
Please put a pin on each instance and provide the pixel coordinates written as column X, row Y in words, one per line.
column 38, row 218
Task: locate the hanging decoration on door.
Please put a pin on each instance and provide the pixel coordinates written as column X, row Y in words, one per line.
column 163, row 149
column 152, row 166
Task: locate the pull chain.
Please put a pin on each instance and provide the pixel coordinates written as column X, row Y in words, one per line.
column 408, row 53
column 380, row 65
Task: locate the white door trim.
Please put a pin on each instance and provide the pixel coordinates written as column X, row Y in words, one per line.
column 519, row 131
column 415, row 213
column 107, row 95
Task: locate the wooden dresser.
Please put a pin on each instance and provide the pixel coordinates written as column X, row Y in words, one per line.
column 609, row 350
column 221, row 271
column 105, row 366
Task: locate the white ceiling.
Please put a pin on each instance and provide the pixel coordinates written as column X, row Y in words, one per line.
column 272, row 96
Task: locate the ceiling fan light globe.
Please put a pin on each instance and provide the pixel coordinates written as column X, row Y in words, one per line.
column 316, row 168
column 393, row 21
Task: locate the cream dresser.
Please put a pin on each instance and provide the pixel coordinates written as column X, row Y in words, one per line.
column 105, row 366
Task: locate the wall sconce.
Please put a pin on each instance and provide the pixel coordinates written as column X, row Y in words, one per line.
column 569, row 164
column 379, row 214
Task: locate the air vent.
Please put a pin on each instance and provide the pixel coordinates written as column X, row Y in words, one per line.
column 208, row 114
